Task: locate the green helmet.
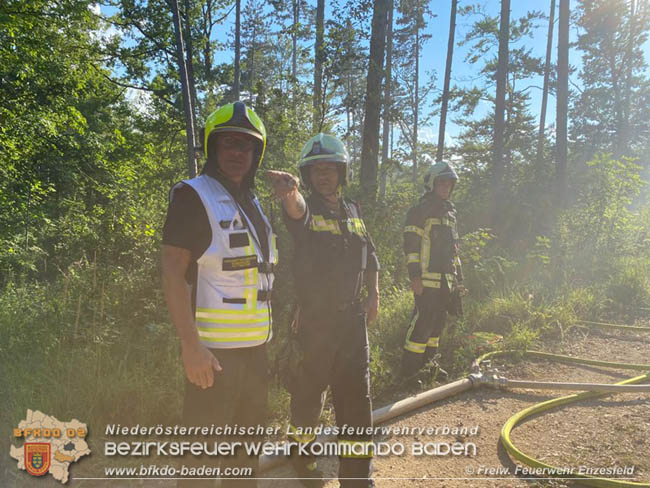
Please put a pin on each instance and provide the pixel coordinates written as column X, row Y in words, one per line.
column 235, row 117
column 323, row 147
column 440, row 170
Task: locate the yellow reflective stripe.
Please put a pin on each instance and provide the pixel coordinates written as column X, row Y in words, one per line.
column 248, row 294
column 218, row 335
column 413, row 257
column 254, row 302
column 438, row 276
column 433, row 342
column 232, row 329
column 274, row 241
column 240, row 320
column 446, row 221
column 211, row 312
column 415, row 229
column 451, row 278
column 415, row 347
column 414, row 319
column 356, row 226
column 356, row 449
column 425, row 245
column 430, row 284
column 425, row 248
column 302, row 438
column 431, row 276
column 250, row 276
column 320, row 224
column 233, row 339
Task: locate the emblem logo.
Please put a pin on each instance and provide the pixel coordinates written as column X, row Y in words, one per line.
column 37, row 458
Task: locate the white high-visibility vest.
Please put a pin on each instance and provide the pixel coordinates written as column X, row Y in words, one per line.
column 233, row 307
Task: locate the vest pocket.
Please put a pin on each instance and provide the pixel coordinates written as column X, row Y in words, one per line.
column 237, row 301
column 238, row 239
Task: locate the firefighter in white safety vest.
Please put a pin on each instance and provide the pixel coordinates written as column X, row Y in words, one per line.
column 217, row 240
column 334, row 257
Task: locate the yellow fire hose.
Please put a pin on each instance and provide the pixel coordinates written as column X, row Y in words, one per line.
column 477, row 379
column 557, row 402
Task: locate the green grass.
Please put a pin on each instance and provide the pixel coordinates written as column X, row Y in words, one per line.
column 97, row 345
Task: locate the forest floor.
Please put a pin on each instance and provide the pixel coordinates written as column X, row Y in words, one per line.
column 597, row 433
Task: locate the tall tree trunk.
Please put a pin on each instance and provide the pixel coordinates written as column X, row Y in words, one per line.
column 623, row 130
column 236, row 87
column 416, row 98
column 500, row 105
column 189, row 59
column 445, row 90
column 387, row 103
column 318, row 66
column 547, row 75
column 295, row 5
column 561, row 151
column 370, row 140
column 354, row 140
column 207, row 29
column 251, row 58
column 187, row 96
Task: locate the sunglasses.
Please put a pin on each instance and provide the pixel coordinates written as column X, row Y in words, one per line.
column 236, row 144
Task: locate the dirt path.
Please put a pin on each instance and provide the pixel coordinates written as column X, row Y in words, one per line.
column 599, row 433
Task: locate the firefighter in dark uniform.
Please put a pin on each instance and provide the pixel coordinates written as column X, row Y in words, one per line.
column 334, row 256
column 431, row 247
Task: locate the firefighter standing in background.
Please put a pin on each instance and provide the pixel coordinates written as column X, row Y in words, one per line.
column 431, row 247
column 334, row 255
column 217, row 240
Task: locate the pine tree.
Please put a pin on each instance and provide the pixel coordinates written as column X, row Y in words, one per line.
column 370, row 144
column 412, row 92
column 561, row 113
column 612, row 113
column 444, row 103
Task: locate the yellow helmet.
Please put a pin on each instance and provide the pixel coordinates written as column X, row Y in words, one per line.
column 236, row 117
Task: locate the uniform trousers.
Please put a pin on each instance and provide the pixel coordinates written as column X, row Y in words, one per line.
column 238, row 397
column 334, row 346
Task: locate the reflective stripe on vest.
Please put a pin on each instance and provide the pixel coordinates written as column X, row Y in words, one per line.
column 228, row 312
column 432, row 279
column 413, row 257
column 356, row 226
column 321, row 224
column 415, row 229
